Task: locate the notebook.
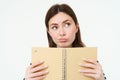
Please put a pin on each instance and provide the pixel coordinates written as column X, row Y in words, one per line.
column 64, row 62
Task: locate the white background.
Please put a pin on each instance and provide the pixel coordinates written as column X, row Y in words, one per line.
column 22, row 27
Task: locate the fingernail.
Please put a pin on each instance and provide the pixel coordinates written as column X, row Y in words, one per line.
column 80, row 64
column 80, row 70
column 46, row 66
column 30, row 63
column 44, row 76
column 46, row 71
column 84, row 58
column 41, row 61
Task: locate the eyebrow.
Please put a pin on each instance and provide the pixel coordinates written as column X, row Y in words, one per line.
column 53, row 24
column 62, row 22
column 66, row 21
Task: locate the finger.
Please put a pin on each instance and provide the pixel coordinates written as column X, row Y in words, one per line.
column 39, row 68
column 88, row 65
column 37, row 74
column 90, row 75
column 88, row 71
column 39, row 78
column 37, row 64
column 90, row 61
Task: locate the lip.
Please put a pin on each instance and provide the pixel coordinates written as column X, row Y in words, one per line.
column 62, row 40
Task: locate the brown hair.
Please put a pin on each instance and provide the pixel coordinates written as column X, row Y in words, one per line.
column 55, row 9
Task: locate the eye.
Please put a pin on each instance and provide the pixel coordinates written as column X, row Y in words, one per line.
column 54, row 27
column 67, row 24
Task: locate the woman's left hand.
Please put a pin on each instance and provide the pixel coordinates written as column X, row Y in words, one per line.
column 93, row 69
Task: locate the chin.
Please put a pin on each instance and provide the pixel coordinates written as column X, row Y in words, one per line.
column 64, row 46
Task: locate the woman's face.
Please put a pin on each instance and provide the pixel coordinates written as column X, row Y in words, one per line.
column 62, row 29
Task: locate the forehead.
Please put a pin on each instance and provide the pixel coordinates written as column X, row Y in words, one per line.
column 60, row 17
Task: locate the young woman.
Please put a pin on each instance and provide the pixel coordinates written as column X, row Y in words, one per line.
column 63, row 31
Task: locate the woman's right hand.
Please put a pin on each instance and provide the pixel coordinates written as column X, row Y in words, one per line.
column 36, row 71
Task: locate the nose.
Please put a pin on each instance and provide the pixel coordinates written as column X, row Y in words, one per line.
column 62, row 32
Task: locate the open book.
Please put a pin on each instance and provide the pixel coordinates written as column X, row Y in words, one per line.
column 64, row 62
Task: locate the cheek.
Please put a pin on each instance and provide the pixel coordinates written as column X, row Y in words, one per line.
column 71, row 34
column 53, row 35
column 71, row 31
